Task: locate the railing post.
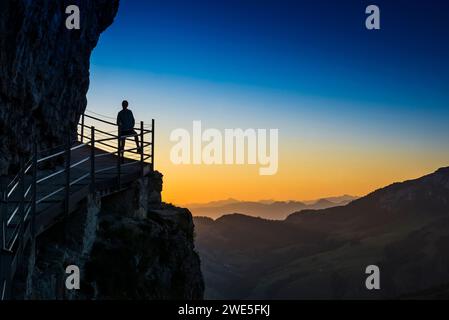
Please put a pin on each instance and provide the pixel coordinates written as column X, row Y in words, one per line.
column 3, row 210
column 34, row 191
column 152, row 144
column 21, row 196
column 92, row 159
column 142, row 164
column 119, row 155
column 82, row 128
column 67, row 174
column 3, row 255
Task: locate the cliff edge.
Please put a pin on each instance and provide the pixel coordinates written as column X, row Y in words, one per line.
column 44, row 72
column 128, row 245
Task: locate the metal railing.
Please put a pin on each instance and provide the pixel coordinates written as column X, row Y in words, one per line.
column 51, row 176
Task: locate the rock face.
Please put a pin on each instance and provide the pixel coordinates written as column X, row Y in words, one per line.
column 121, row 253
column 151, row 258
column 44, row 71
column 127, row 245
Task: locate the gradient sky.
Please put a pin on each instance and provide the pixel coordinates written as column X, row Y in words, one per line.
column 356, row 109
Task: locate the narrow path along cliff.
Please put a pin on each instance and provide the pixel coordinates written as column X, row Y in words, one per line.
column 128, row 244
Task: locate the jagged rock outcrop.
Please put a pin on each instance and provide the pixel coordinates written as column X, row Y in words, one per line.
column 127, row 245
column 150, row 258
column 122, row 253
column 44, row 71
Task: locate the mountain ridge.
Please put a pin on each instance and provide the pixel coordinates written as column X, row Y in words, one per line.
column 270, row 209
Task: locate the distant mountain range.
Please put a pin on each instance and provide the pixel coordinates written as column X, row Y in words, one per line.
column 268, row 209
column 322, row 254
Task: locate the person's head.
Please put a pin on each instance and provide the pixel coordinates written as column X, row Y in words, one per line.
column 125, row 104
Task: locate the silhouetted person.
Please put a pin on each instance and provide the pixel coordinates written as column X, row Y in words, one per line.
column 126, row 123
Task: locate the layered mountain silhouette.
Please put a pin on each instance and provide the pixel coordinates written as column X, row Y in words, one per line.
column 323, row 254
column 268, row 209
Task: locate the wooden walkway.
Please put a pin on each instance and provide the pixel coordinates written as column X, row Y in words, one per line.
column 52, row 184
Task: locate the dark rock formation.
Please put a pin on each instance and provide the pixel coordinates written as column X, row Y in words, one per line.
column 122, row 253
column 151, row 258
column 127, row 245
column 44, row 71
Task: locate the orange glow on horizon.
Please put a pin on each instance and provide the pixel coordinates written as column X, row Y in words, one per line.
column 303, row 175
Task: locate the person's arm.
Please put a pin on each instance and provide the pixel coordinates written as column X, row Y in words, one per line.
column 133, row 120
column 119, row 122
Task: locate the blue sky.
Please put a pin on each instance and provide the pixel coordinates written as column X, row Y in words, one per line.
column 309, row 68
column 317, row 48
column 292, row 51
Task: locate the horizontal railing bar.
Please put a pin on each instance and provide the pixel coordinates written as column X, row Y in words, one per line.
column 99, row 114
column 50, row 195
column 84, row 125
column 12, row 189
column 104, row 121
column 105, row 144
column 99, row 136
column 102, row 155
column 105, row 169
column 110, row 152
column 17, row 176
column 13, row 242
column 50, row 156
column 50, row 149
column 13, row 180
column 106, row 139
column 27, row 169
column 27, row 212
column 130, row 163
column 130, row 137
column 3, row 226
column 85, row 137
column 112, row 123
column 131, row 150
column 104, row 132
column 79, row 162
column 63, row 152
column 80, row 146
column 79, row 179
column 3, row 290
column 28, row 190
column 145, row 131
column 50, row 176
column 8, row 222
column 13, row 214
column 14, row 235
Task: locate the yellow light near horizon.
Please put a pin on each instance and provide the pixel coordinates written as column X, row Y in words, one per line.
column 303, row 175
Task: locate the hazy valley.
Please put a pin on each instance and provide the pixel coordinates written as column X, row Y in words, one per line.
column 268, row 209
column 402, row 228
